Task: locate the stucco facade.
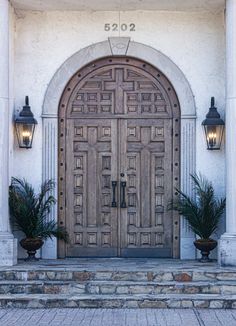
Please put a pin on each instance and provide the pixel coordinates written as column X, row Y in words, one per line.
column 42, row 41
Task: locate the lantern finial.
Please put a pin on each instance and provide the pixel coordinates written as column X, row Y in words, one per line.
column 27, row 100
column 212, row 101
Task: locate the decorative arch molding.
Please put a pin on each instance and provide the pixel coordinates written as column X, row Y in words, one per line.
column 119, row 46
column 125, row 47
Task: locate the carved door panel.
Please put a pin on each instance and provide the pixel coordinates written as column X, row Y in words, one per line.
column 91, row 167
column 145, row 160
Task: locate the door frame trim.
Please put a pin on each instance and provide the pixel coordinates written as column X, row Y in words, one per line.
column 113, row 47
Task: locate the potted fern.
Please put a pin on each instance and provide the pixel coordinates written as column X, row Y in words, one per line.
column 29, row 213
column 203, row 213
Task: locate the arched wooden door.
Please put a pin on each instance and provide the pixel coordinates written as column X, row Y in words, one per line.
column 119, row 152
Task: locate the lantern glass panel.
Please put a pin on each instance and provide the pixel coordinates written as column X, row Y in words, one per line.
column 25, row 133
column 214, row 134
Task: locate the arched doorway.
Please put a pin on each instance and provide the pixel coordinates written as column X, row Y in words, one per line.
column 119, row 161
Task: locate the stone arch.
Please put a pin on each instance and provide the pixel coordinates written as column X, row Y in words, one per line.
column 124, row 47
column 118, row 46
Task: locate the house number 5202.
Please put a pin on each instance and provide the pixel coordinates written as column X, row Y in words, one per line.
column 122, row 27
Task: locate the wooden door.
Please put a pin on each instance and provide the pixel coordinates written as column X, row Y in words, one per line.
column 146, row 162
column 91, row 167
column 119, row 122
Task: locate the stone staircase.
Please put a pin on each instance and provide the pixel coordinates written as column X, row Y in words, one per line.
column 113, row 287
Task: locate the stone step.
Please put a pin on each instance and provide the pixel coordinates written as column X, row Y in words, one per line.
column 117, row 287
column 132, row 275
column 118, row 301
column 42, row 287
column 120, row 287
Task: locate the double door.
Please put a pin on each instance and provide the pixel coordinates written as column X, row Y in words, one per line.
column 118, row 185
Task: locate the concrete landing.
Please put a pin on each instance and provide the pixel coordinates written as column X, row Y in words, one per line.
column 112, row 264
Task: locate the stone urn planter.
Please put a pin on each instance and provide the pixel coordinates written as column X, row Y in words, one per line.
column 205, row 246
column 31, row 245
column 202, row 211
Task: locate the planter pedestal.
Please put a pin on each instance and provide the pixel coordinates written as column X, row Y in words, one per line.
column 31, row 245
column 205, row 246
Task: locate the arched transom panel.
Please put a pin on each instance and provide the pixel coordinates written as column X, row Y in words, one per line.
column 119, row 86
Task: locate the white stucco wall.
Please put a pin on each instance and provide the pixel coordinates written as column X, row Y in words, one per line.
column 193, row 41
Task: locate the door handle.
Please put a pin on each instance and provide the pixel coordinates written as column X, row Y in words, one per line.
column 114, row 203
column 122, row 194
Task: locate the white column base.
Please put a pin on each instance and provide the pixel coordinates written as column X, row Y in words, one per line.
column 227, row 250
column 8, row 249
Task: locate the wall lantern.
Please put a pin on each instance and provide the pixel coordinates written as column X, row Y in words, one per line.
column 25, row 125
column 214, row 127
